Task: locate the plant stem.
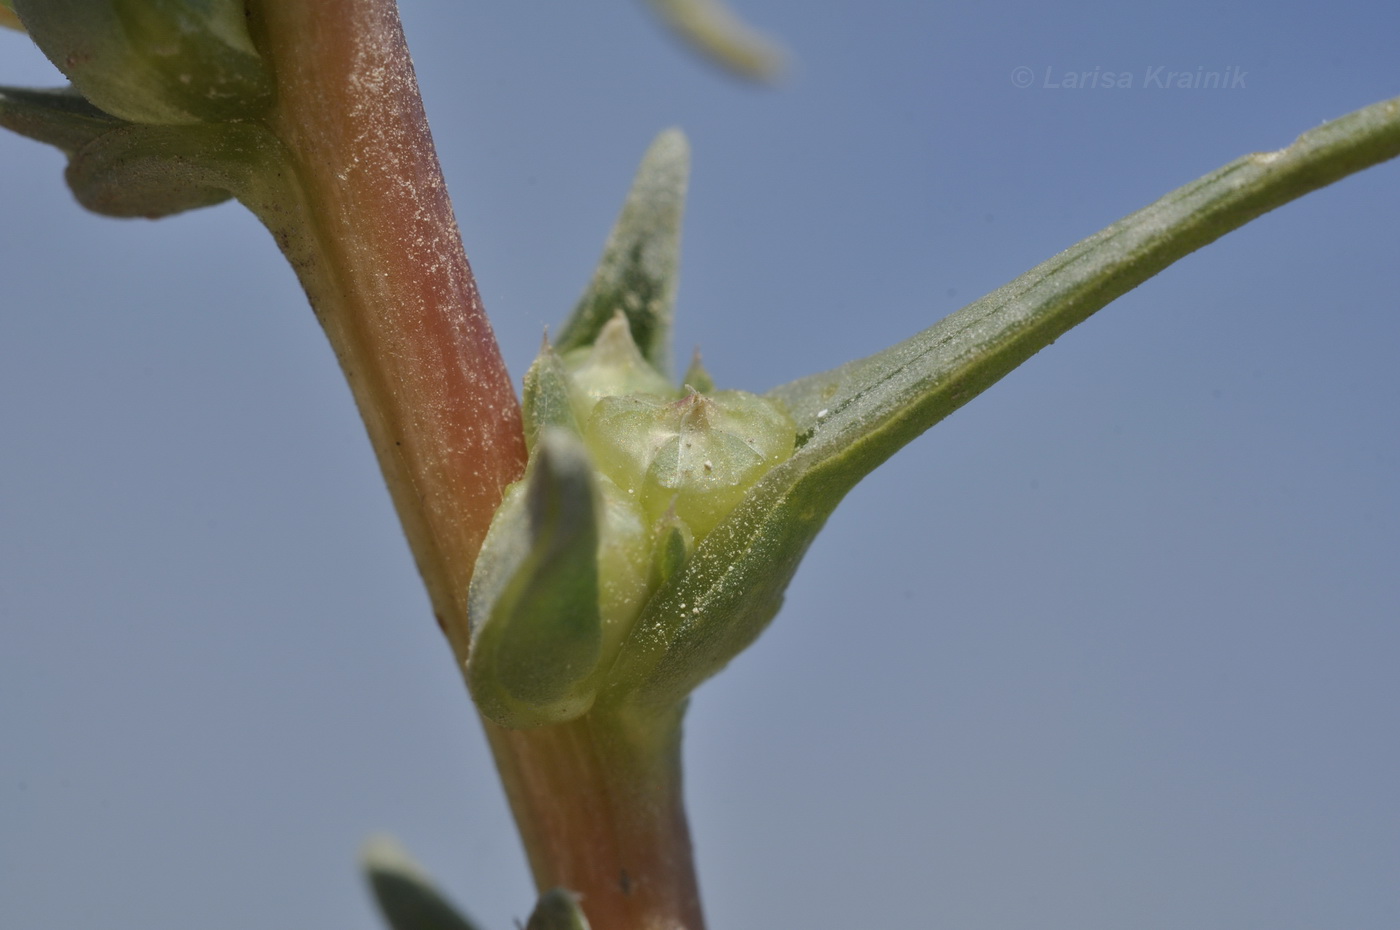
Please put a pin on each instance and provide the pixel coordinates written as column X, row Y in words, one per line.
column 362, row 213
column 599, row 805
column 370, row 231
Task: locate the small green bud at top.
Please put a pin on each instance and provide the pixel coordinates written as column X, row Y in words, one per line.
column 696, row 377
column 548, row 397
column 166, row 62
column 612, row 365
column 674, row 544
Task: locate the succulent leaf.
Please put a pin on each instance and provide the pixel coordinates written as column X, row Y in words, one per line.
column 155, row 171
column 124, row 169
column 638, row 271
column 164, row 62
column 851, row 419
column 537, row 627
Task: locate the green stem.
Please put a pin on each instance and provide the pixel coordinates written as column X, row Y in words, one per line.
column 367, row 224
column 599, row 805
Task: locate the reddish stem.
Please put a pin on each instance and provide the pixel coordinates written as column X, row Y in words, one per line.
column 376, row 246
column 599, row 805
column 365, row 220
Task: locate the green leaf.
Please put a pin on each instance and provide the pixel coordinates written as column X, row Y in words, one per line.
column 60, row 117
column 638, row 271
column 546, row 402
column 537, row 634
column 712, row 29
column 403, row 891
column 155, row 171
column 166, row 62
column 853, row 418
column 124, row 169
column 558, row 909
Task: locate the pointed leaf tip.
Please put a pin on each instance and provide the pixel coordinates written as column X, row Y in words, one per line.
column 696, row 376
column 546, row 401
column 851, row 419
column 59, row 117
column 404, row 892
column 637, row 274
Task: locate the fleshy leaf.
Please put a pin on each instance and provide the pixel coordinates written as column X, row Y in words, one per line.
column 637, row 273
column 558, row 909
column 853, row 418
column 123, row 169
column 712, row 29
column 166, row 62
column 403, row 891
column 537, row 628
column 155, row 171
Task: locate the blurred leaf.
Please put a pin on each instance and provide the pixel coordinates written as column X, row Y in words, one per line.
column 60, row 117
column 404, row 893
column 713, row 30
column 8, row 19
column 638, row 270
column 854, row 417
column 534, row 597
column 123, row 169
column 557, row 909
column 165, row 62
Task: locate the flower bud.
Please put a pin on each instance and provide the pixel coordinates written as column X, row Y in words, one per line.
column 698, row 455
column 166, row 62
column 608, row 514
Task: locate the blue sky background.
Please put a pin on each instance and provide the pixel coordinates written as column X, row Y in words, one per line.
column 1114, row 646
